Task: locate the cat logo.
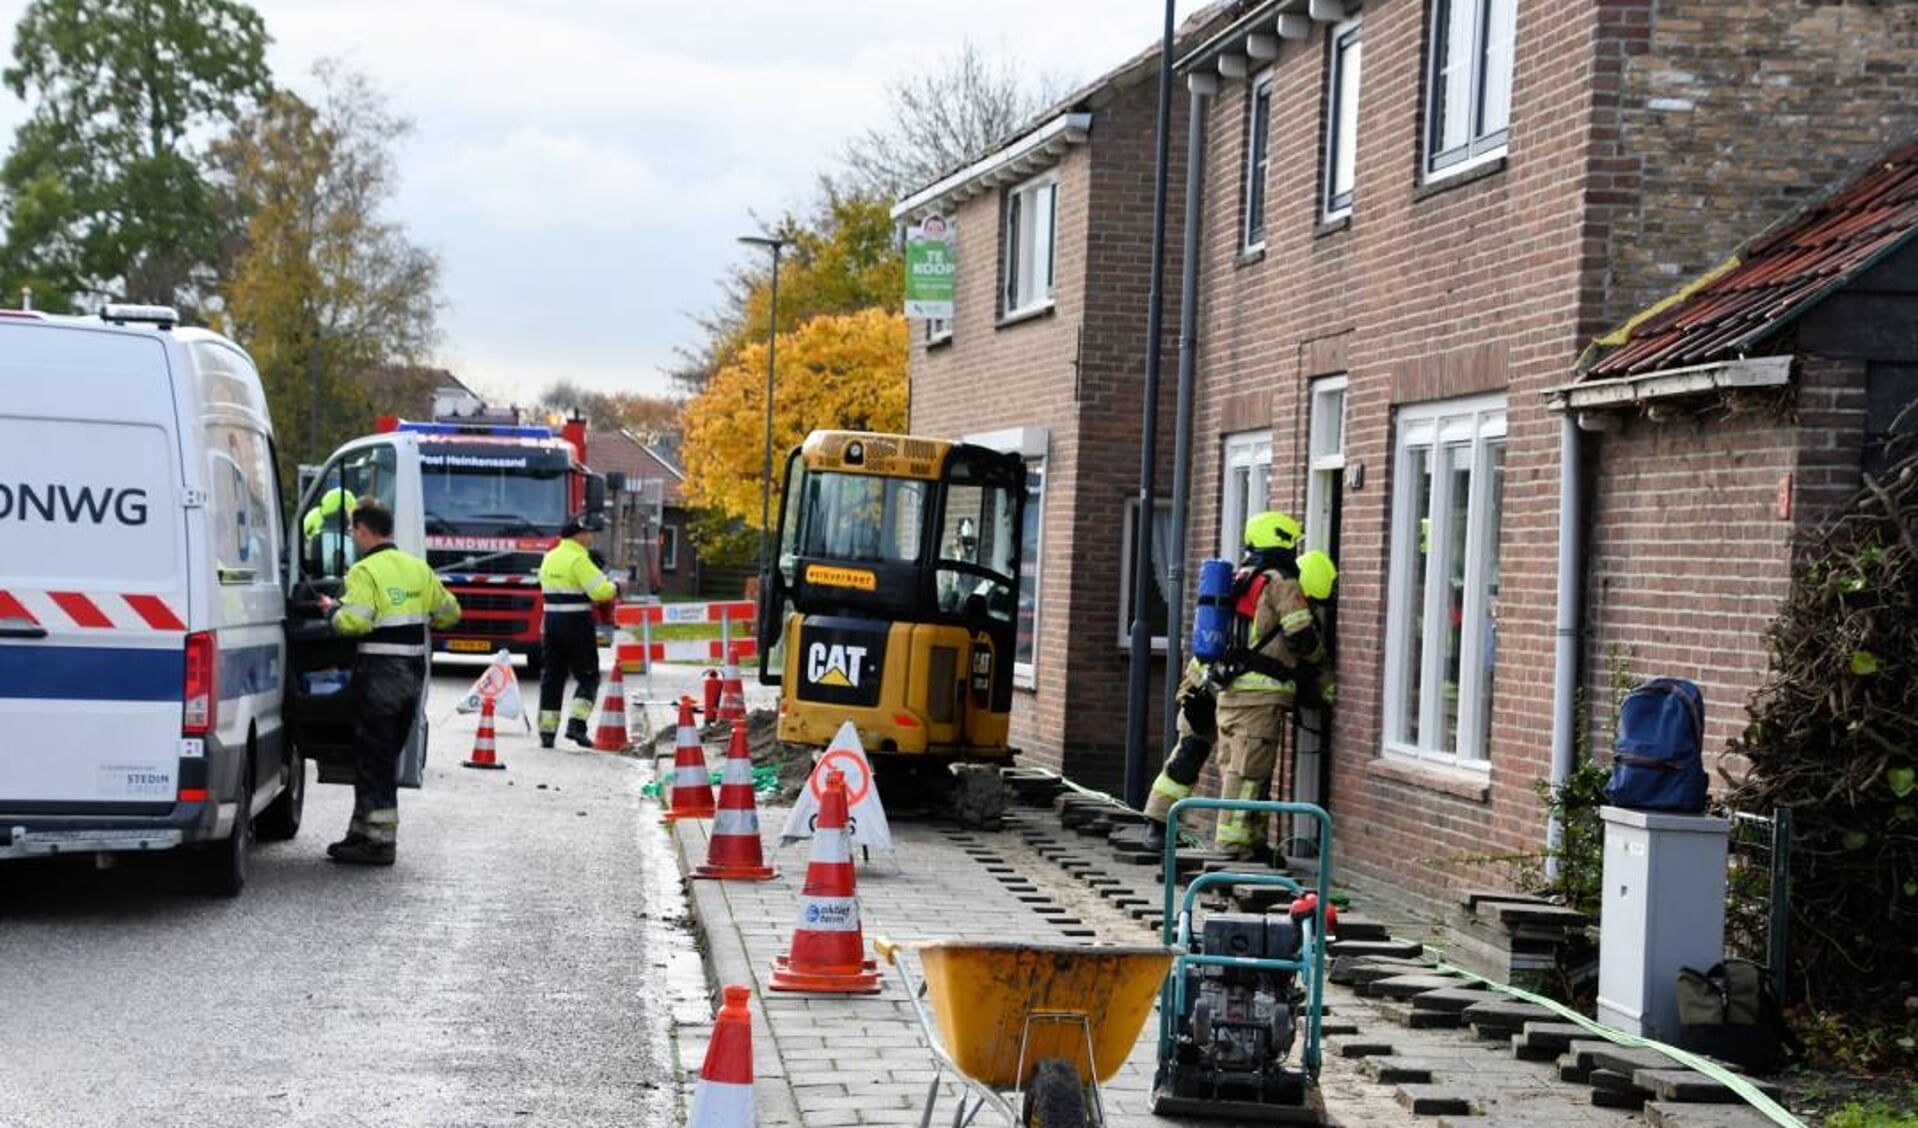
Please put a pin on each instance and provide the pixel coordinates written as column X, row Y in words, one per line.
column 836, row 665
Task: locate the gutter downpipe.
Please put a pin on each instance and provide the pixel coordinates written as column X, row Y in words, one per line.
column 1199, row 88
column 1139, row 676
column 1571, row 518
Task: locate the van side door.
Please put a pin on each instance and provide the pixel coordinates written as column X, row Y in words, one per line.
column 319, row 707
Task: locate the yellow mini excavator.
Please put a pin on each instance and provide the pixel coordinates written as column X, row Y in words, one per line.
column 894, row 601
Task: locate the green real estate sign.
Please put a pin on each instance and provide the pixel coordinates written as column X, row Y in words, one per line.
column 932, row 261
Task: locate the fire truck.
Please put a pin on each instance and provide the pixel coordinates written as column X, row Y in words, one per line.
column 495, row 491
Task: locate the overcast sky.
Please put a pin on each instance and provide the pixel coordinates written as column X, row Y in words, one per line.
column 583, row 168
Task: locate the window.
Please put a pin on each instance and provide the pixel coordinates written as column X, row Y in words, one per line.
column 1024, row 644
column 1342, row 121
column 244, row 502
column 1470, row 102
column 1326, row 464
column 1161, row 548
column 1258, row 137
column 1031, row 228
column 938, row 330
column 1447, row 502
column 669, row 548
column 1244, row 487
column 353, row 477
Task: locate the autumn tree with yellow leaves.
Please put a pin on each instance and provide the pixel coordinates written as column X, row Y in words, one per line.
column 843, row 371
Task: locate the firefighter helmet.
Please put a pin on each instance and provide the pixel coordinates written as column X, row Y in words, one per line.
column 1317, row 574
column 1272, row 529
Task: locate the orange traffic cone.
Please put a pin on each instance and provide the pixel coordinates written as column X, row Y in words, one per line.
column 734, row 852
column 724, row 1096
column 611, row 736
column 483, row 755
column 692, row 783
column 732, row 696
column 828, row 948
column 710, row 688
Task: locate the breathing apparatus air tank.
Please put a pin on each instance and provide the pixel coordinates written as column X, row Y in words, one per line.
column 1212, row 621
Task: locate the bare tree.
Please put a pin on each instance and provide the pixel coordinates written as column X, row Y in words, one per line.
column 942, row 118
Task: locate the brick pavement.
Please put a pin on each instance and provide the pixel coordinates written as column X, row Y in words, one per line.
column 824, row 1062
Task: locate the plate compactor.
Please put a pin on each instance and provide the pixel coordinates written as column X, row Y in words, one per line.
column 1240, row 1020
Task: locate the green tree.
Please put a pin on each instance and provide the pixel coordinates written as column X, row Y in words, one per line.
column 319, row 288
column 104, row 193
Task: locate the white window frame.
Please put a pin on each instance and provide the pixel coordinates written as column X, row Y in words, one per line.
column 1325, row 458
column 1341, row 135
column 1031, row 277
column 669, row 548
column 1256, row 196
column 1478, row 423
column 938, row 330
column 1031, row 444
column 1161, row 511
column 1247, row 452
column 1026, row 673
column 1475, row 50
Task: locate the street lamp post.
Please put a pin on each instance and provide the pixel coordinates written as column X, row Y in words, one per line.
column 775, row 245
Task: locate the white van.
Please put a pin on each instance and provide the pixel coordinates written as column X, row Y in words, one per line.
column 145, row 664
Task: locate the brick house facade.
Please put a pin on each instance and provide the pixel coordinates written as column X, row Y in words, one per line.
column 1060, row 378
column 1641, row 143
column 648, row 535
column 1523, row 175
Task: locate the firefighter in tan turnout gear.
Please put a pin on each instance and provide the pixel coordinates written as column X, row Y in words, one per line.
column 389, row 601
column 571, row 584
column 1244, row 701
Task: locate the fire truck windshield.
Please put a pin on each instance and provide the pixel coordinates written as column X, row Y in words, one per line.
column 472, row 492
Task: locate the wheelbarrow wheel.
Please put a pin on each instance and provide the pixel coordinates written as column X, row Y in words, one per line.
column 1055, row 1099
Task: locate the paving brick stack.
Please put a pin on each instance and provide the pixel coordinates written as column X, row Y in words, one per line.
column 1512, row 937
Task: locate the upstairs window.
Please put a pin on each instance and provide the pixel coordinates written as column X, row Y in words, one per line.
column 1032, row 220
column 1258, row 133
column 1470, row 102
column 1341, row 122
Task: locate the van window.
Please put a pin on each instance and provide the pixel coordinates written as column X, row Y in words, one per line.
column 241, row 495
column 326, row 541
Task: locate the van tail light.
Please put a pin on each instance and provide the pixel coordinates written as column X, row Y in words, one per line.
column 200, row 695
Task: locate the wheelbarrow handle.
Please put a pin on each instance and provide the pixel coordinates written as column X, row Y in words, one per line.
column 888, row 948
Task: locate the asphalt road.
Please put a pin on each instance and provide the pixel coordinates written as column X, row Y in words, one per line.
column 521, row 965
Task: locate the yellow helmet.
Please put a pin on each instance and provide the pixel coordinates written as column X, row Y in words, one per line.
column 1272, row 529
column 1317, row 574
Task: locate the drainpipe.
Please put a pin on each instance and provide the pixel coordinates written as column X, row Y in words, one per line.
column 1571, row 518
column 1139, row 676
column 1199, row 88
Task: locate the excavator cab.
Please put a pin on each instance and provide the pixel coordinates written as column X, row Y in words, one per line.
column 893, row 598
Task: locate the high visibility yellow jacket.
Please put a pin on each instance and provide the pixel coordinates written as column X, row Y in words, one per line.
column 390, row 600
column 331, row 502
column 570, row 581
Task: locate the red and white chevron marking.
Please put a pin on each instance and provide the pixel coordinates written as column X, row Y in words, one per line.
column 95, row 611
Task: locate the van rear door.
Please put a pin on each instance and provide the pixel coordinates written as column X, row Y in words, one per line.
column 94, row 591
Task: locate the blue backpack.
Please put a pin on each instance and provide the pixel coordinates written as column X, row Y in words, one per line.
column 1658, row 760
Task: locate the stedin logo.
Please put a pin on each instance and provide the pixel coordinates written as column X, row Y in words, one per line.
column 834, row 665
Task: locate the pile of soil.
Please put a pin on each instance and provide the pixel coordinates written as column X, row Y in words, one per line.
column 793, row 762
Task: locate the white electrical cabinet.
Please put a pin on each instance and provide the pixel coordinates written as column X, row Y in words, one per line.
column 1663, row 909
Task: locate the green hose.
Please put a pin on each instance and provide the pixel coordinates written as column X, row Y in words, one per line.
column 1739, row 1085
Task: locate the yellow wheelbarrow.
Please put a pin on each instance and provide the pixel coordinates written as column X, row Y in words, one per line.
column 1031, row 1029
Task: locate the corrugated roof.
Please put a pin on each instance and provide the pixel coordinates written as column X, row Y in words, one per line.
column 1773, row 279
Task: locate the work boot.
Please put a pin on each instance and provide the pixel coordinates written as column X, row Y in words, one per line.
column 353, row 839
column 361, row 852
column 576, row 732
column 546, row 739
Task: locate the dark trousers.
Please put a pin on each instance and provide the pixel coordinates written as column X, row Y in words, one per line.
column 386, row 699
column 571, row 650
